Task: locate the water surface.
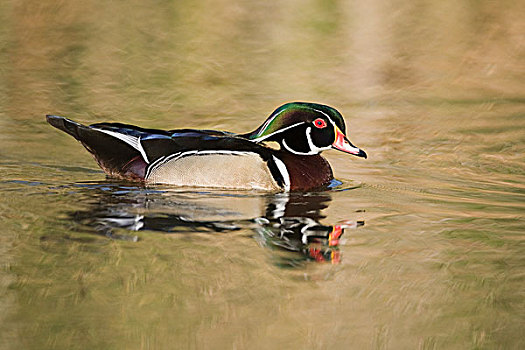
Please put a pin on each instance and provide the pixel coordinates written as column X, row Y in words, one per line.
column 431, row 254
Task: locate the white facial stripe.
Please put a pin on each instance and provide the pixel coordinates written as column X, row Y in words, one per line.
column 297, row 152
column 309, row 138
column 130, row 140
column 335, row 130
column 265, row 125
column 259, row 139
column 313, row 148
column 326, row 115
column 284, row 172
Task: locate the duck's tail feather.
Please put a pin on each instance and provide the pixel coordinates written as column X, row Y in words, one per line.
column 115, row 156
column 65, row 125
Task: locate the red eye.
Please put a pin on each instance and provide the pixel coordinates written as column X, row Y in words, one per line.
column 319, row 123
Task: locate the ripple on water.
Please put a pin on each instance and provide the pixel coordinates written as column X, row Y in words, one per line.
column 287, row 223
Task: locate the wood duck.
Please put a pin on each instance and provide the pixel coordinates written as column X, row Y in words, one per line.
column 209, row 158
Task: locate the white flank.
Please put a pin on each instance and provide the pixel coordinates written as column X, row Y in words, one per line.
column 162, row 160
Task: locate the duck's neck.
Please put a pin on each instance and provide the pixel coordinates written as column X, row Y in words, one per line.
column 306, row 172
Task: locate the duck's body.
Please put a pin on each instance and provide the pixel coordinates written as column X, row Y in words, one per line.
column 208, row 158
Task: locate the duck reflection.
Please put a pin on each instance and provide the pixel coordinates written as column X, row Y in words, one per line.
column 284, row 221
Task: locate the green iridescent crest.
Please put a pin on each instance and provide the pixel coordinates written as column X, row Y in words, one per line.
column 295, row 113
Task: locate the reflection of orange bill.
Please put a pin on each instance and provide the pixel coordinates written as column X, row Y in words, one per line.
column 336, row 256
column 316, row 253
column 333, row 238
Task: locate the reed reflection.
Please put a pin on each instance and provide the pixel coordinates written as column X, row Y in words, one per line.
column 288, row 222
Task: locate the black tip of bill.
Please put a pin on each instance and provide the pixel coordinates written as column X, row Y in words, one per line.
column 362, row 154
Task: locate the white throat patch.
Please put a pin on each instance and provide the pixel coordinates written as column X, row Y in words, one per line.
column 313, row 148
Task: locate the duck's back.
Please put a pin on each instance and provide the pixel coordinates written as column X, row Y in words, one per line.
column 185, row 157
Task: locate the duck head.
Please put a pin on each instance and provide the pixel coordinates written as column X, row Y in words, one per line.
column 306, row 129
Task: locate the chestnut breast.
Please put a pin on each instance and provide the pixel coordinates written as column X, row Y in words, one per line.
column 306, row 172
